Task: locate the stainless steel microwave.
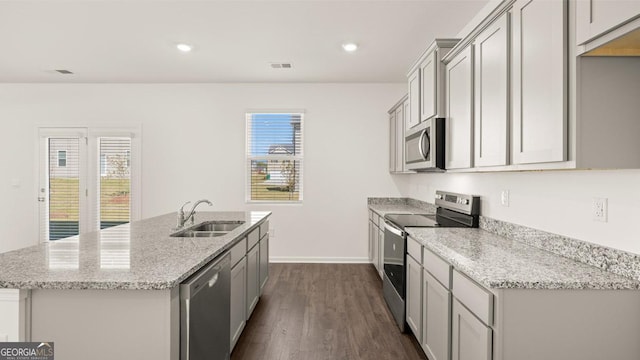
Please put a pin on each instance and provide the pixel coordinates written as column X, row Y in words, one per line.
column 424, row 146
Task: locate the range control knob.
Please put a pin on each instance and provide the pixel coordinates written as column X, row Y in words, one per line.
column 465, row 201
column 438, row 196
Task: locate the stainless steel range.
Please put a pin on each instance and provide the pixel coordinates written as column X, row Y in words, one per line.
column 453, row 210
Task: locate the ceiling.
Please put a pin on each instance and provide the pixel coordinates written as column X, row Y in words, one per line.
column 134, row 41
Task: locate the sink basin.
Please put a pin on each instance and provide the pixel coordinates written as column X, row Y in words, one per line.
column 198, row 234
column 208, row 229
column 217, row 226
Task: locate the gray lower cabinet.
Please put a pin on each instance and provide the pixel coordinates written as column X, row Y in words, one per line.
column 238, row 300
column 375, row 243
column 436, row 317
column 414, row 296
column 264, row 261
column 253, row 279
column 470, row 338
column 381, row 252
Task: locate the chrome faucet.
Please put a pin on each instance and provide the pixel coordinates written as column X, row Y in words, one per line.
column 182, row 219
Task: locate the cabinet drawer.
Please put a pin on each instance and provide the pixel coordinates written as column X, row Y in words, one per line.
column 375, row 219
column 440, row 269
column 264, row 229
column 474, row 297
column 253, row 238
column 238, row 251
column 414, row 249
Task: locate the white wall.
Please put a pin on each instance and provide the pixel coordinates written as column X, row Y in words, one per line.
column 193, row 146
column 556, row 201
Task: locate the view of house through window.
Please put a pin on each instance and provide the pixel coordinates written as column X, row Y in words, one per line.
column 274, row 156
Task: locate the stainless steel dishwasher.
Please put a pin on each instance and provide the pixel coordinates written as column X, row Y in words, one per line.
column 204, row 312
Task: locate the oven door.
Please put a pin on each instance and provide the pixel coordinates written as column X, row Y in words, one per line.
column 419, row 147
column 394, row 257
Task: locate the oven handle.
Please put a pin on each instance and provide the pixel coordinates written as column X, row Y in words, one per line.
column 393, row 229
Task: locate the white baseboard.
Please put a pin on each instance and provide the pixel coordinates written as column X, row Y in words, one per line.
column 319, row 260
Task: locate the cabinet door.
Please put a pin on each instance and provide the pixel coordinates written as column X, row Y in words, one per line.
column 459, row 139
column 428, row 87
column 491, row 70
column 414, row 296
column 413, row 118
column 392, row 142
column 399, row 151
column 597, row 17
column 470, row 338
column 264, row 262
column 238, row 300
column 373, row 234
column 436, row 318
column 539, row 129
column 253, row 279
column 380, row 252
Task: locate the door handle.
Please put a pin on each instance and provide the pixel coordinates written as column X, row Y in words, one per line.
column 213, row 280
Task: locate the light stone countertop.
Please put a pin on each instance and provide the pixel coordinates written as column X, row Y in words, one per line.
column 384, row 209
column 501, row 263
column 136, row 256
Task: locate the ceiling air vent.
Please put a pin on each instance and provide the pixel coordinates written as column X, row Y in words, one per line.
column 281, row 65
column 64, row 72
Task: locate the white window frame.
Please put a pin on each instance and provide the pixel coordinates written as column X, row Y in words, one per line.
column 247, row 159
column 94, row 169
column 89, row 202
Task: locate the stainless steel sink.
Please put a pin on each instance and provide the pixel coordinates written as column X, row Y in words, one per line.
column 208, row 229
column 218, row 226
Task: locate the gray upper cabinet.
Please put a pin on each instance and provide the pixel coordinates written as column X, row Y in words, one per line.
column 392, row 141
column 459, row 93
column 397, row 116
column 428, row 87
column 539, row 116
column 491, row 69
column 426, row 84
column 400, row 113
column 413, row 117
column 597, row 17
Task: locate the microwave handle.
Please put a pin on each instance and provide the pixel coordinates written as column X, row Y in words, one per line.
column 420, row 142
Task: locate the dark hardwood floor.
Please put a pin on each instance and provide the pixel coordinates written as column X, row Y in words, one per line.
column 323, row 311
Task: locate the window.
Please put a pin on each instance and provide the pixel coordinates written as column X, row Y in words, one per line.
column 274, row 157
column 114, row 202
column 89, row 179
column 62, row 158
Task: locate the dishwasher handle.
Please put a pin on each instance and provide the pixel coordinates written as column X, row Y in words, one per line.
column 206, row 277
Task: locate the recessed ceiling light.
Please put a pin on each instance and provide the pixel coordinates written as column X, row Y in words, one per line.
column 184, row 47
column 350, row 47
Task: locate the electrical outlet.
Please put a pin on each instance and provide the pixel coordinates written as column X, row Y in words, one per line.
column 600, row 209
column 504, row 198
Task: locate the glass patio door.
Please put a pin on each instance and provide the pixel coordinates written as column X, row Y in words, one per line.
column 63, row 188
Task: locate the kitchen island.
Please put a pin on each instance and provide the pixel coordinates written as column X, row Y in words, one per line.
column 114, row 294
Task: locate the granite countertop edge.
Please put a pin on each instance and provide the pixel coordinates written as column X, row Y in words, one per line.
column 161, row 284
column 481, row 272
